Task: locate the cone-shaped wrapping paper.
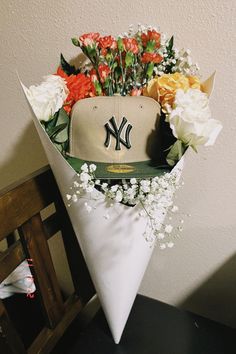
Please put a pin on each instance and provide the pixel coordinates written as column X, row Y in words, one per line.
column 114, row 247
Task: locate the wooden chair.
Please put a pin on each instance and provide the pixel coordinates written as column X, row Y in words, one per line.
column 152, row 328
column 20, row 207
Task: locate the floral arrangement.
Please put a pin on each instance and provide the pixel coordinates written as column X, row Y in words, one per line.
column 140, row 62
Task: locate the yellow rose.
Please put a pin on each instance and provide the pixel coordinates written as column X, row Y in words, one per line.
column 163, row 88
column 172, row 82
column 151, row 90
column 194, row 82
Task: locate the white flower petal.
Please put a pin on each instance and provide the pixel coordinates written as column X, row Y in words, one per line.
column 48, row 97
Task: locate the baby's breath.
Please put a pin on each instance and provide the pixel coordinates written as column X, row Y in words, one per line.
column 153, row 195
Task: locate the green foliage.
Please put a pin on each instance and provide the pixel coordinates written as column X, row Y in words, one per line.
column 117, row 75
column 109, row 58
column 120, row 44
column 98, row 88
column 106, row 83
column 150, row 69
column 170, row 54
column 58, row 129
column 150, row 47
column 114, row 65
column 170, row 44
column 90, row 52
column 129, row 59
column 176, row 152
column 67, row 68
column 75, row 42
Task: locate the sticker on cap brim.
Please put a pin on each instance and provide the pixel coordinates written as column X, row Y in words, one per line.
column 120, row 169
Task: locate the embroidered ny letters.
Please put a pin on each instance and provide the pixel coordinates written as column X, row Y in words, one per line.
column 112, row 129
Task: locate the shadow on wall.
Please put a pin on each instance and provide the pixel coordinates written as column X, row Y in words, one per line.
column 216, row 296
column 27, row 156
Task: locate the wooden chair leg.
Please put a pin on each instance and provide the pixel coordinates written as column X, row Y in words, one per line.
column 34, row 242
column 10, row 342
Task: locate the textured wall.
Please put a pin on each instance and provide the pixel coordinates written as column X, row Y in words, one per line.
column 200, row 272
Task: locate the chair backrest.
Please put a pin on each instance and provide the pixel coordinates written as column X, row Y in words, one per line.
column 20, row 207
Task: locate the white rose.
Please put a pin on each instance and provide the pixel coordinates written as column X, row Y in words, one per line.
column 48, row 97
column 191, row 120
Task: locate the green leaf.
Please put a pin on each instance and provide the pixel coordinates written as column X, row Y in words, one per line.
column 176, row 152
column 62, row 136
column 51, row 123
column 171, row 43
column 75, row 42
column 58, row 130
column 55, row 130
column 63, row 119
column 55, row 125
column 67, row 68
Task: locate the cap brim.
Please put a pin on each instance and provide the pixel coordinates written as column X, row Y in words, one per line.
column 141, row 169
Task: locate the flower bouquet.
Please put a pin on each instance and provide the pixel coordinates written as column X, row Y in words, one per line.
column 115, row 131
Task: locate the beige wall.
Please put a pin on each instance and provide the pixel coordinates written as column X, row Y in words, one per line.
column 200, row 272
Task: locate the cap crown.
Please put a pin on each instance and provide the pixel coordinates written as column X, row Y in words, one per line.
column 115, row 129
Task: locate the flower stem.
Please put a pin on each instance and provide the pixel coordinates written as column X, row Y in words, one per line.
column 122, row 74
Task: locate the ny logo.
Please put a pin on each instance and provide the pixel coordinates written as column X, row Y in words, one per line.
column 112, row 129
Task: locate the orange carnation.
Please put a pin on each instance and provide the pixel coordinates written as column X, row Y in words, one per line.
column 130, row 45
column 107, row 42
column 89, row 39
column 103, row 71
column 151, row 36
column 80, row 86
column 151, row 58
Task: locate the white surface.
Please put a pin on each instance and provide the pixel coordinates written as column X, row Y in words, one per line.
column 33, row 33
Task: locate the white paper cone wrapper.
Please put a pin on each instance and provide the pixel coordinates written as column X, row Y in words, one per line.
column 111, row 240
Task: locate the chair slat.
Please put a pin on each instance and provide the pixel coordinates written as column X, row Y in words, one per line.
column 11, row 239
column 24, row 201
column 10, row 259
column 51, row 225
column 34, row 242
column 10, row 342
